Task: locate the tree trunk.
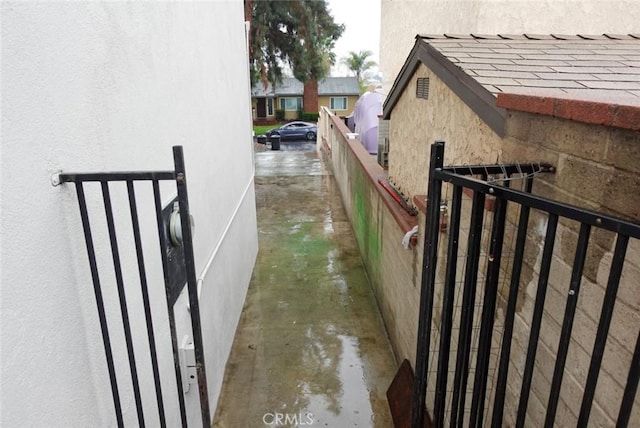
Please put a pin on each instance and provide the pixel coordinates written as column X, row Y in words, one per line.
column 310, row 99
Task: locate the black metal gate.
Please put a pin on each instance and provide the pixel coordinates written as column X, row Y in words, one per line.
column 180, row 256
column 449, row 395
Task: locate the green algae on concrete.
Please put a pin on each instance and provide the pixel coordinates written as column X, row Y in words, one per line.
column 310, row 349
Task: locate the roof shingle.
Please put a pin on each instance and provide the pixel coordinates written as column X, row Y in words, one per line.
column 528, row 72
column 564, row 63
column 293, row 87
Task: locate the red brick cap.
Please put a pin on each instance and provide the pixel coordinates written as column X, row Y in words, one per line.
column 592, row 112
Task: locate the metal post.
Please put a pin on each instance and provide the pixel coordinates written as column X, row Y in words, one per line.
column 115, row 255
column 428, row 281
column 192, row 286
column 99, row 302
column 536, row 321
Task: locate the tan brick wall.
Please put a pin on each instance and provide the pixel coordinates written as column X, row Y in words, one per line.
column 597, row 168
column 416, row 123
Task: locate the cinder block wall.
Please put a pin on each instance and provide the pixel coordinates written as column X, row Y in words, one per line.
column 392, row 270
column 597, row 168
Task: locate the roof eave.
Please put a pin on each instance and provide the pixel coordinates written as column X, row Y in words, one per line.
column 477, row 97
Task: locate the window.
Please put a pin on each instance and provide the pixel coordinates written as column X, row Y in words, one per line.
column 338, row 103
column 291, row 103
column 269, row 106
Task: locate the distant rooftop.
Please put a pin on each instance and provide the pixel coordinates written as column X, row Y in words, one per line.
column 293, row 87
column 522, row 71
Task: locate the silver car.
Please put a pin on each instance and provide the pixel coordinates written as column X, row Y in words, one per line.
column 295, row 131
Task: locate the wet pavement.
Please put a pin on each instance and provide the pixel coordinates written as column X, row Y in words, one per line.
column 310, row 349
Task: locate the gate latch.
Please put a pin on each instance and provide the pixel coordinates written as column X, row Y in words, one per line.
column 188, row 364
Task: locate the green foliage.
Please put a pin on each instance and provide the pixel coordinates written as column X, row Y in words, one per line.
column 310, row 117
column 280, row 114
column 295, row 33
column 262, row 129
column 357, row 62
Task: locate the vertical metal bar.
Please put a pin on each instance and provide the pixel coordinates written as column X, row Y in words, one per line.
column 192, row 286
column 516, row 271
column 123, row 299
column 488, row 312
column 468, row 302
column 99, row 302
column 545, row 266
column 145, row 300
column 430, row 258
column 172, row 318
column 630, row 390
column 447, row 308
column 603, row 328
column 567, row 323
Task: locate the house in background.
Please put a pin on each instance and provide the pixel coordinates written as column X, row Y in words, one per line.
column 104, row 86
column 339, row 94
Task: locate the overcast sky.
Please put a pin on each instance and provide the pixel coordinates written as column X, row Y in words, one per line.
column 362, row 21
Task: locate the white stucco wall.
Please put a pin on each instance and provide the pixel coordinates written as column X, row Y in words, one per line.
column 401, row 20
column 102, row 87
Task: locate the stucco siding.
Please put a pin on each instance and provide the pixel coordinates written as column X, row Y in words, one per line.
column 110, row 87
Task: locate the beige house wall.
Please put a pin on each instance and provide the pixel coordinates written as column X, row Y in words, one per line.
column 416, row 123
column 401, row 20
column 325, row 101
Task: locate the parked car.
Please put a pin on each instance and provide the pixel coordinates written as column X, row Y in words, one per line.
column 295, row 131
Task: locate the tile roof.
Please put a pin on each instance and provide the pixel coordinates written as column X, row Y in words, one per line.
column 591, row 68
column 292, row 86
column 590, row 71
column 339, row 86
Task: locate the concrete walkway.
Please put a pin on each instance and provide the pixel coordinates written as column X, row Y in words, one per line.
column 311, row 349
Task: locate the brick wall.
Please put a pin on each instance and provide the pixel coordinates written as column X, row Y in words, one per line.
column 310, row 98
column 597, row 168
column 566, row 144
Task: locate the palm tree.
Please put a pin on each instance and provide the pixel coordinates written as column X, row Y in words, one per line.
column 357, row 62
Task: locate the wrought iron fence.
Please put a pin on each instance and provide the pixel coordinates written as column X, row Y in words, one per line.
column 177, row 175
column 459, row 378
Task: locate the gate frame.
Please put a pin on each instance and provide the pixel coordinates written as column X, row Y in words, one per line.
column 180, row 178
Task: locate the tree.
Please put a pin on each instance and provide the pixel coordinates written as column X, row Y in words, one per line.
column 357, row 62
column 299, row 34
column 295, row 33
